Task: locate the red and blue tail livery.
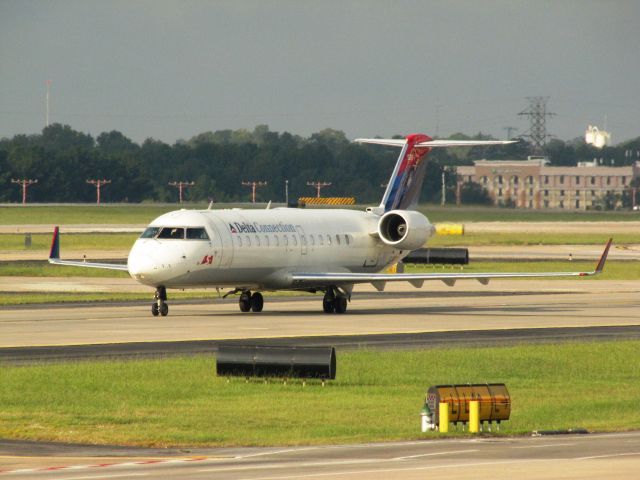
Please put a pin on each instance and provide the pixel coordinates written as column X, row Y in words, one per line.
column 405, row 184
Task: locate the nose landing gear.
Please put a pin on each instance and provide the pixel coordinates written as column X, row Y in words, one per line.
column 159, row 306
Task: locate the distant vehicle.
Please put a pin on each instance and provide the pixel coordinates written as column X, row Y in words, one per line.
column 319, row 250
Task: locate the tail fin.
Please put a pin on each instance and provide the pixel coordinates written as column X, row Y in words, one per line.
column 54, row 253
column 405, row 184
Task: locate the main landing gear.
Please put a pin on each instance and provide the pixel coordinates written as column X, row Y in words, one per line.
column 249, row 301
column 159, row 306
column 334, row 301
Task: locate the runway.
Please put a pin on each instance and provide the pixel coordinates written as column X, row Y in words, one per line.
column 566, row 456
column 436, row 308
column 469, row 313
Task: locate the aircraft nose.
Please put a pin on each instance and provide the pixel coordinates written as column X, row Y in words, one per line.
column 142, row 267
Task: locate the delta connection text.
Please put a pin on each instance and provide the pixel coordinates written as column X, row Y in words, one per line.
column 256, row 227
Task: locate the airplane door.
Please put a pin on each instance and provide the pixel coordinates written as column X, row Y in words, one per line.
column 303, row 240
column 222, row 245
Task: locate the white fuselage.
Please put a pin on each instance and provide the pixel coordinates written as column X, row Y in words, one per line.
column 258, row 249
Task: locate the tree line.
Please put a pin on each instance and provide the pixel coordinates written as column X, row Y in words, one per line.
column 63, row 159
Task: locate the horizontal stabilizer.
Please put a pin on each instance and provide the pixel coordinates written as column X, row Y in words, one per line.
column 400, row 142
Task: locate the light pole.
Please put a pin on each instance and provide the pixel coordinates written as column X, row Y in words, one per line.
column 98, row 183
column 286, row 192
column 318, row 186
column 25, row 183
column 181, row 186
column 253, row 186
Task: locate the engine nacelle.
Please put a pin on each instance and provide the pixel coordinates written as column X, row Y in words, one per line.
column 404, row 229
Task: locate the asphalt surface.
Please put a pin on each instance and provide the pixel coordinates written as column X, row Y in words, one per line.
column 502, row 313
column 593, row 456
column 471, row 338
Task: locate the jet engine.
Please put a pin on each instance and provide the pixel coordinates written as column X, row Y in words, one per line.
column 404, row 229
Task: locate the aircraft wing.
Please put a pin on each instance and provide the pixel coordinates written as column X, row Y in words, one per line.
column 393, row 142
column 54, row 257
column 417, row 279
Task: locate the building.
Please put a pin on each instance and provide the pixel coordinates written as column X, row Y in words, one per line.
column 534, row 184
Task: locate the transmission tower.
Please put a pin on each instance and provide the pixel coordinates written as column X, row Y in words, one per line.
column 318, row 186
column 537, row 113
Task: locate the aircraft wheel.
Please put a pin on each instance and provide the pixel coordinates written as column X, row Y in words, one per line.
column 340, row 304
column 245, row 302
column 257, row 302
column 328, row 305
column 155, row 311
column 164, row 309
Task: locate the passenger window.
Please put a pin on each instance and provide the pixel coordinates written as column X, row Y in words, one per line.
column 313, row 241
column 295, row 240
column 197, row 234
column 328, row 239
column 277, row 240
column 320, row 240
column 257, row 241
column 248, row 239
column 266, row 240
column 172, row 233
column 150, row 232
column 346, row 239
column 239, row 239
column 337, row 239
column 286, row 241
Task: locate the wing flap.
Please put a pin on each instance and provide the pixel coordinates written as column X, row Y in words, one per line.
column 416, row 279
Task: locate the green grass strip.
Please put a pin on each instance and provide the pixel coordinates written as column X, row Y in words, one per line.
column 144, row 213
column 377, row 397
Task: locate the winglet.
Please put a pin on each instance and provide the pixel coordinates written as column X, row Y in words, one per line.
column 54, row 253
column 603, row 258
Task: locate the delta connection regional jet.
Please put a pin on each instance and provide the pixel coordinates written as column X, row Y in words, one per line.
column 323, row 250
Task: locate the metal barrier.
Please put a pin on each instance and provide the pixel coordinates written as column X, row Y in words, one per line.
column 278, row 362
column 494, row 403
column 439, row 256
column 327, row 200
column 449, row 229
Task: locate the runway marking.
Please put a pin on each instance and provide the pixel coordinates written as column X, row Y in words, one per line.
column 276, row 452
column 609, row 456
column 107, row 476
column 546, row 446
column 105, row 465
column 434, row 454
column 390, row 470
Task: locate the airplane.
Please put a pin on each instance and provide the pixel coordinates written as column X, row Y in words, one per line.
column 315, row 250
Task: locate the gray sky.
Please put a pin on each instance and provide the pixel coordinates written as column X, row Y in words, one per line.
column 170, row 70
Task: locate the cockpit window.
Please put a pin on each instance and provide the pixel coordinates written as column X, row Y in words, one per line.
column 172, row 233
column 150, row 232
column 197, row 234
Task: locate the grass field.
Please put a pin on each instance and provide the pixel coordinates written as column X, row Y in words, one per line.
column 70, row 241
column 377, row 396
column 143, row 214
column 124, row 241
